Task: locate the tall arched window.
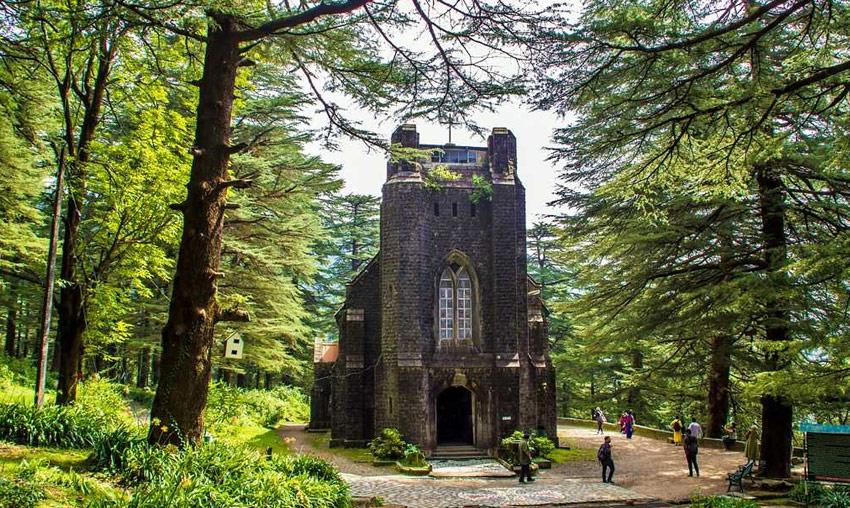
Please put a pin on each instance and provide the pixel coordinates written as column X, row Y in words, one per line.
column 455, row 305
column 447, row 296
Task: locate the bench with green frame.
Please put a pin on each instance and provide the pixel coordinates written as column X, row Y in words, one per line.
column 737, row 478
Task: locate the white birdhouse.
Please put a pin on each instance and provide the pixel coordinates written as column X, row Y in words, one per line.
column 233, row 346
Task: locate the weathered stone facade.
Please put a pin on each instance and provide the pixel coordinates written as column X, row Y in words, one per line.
column 479, row 368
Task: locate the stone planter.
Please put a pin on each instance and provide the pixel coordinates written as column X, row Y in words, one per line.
column 383, row 463
column 413, row 470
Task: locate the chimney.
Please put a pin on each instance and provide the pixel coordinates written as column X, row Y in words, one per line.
column 406, row 136
column 501, row 149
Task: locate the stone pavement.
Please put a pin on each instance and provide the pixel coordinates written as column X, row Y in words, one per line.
column 424, row 492
column 447, row 468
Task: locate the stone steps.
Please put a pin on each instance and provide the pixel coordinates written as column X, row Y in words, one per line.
column 458, row 452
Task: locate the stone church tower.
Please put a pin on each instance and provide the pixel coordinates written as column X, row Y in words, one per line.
column 443, row 334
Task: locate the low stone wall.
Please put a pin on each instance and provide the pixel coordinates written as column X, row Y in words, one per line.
column 640, row 430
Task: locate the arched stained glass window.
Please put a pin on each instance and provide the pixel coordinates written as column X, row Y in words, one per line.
column 464, row 306
column 446, row 306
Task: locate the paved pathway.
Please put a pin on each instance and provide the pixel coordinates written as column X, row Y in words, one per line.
column 444, row 493
column 646, row 469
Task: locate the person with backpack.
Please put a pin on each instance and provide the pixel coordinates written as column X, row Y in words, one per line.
column 691, row 446
column 600, row 420
column 676, row 425
column 603, row 455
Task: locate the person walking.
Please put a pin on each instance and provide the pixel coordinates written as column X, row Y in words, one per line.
column 751, row 448
column 731, row 436
column 695, row 428
column 606, row 459
column 600, row 420
column 630, row 424
column 622, row 423
column 676, row 425
column 691, row 446
column 525, row 459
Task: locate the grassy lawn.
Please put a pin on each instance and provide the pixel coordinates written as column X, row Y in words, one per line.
column 574, row 454
column 320, row 440
column 61, row 472
column 257, row 437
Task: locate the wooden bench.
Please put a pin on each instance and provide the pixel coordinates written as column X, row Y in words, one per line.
column 737, row 478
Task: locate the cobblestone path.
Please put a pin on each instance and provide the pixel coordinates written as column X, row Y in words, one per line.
column 426, row 492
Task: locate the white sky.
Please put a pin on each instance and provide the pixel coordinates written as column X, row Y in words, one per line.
column 364, row 170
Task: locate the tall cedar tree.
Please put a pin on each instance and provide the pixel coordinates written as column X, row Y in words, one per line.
column 748, row 93
column 343, row 41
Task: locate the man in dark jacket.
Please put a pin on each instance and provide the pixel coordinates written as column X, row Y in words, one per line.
column 607, row 461
column 525, row 459
column 691, row 445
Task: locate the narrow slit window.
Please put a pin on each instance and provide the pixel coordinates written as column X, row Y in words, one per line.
column 472, row 210
column 454, row 209
column 437, row 209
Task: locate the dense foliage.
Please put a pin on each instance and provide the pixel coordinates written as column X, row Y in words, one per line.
column 540, row 446
column 388, row 445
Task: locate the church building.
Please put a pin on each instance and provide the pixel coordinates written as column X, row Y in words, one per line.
column 443, row 335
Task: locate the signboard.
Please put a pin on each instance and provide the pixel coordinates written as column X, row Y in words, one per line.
column 828, row 456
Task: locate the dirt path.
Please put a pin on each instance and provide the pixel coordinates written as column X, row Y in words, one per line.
column 305, row 443
column 651, row 467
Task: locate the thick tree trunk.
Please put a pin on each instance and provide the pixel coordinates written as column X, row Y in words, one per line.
column 776, row 411
column 155, row 363
column 187, row 339
column 72, row 321
column 718, row 385
column 269, row 381
column 11, row 331
column 240, row 380
column 144, row 367
column 226, row 377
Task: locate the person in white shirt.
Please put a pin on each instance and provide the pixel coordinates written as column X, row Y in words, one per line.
column 695, row 428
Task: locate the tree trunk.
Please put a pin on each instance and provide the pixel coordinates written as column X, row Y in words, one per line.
column 144, row 367
column 776, row 410
column 11, row 331
column 155, row 363
column 633, row 397
column 226, row 377
column 72, row 321
column 718, row 385
column 269, row 381
column 187, row 339
column 240, row 380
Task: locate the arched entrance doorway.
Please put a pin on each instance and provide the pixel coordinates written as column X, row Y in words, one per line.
column 454, row 416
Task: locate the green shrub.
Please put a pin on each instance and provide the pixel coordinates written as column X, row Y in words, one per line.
column 540, row 446
column 214, row 475
column 388, row 445
column 21, row 491
column 109, row 450
column 75, row 426
column 413, row 456
column 263, row 407
column 722, row 502
column 106, row 398
column 837, row 496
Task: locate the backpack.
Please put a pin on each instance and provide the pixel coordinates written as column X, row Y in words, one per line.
column 601, row 454
column 677, row 426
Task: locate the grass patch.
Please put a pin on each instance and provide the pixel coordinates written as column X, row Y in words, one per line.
column 573, row 454
column 321, row 441
column 59, row 473
column 254, row 436
column 12, row 455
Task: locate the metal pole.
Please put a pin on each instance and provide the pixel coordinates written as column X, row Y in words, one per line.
column 47, row 302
